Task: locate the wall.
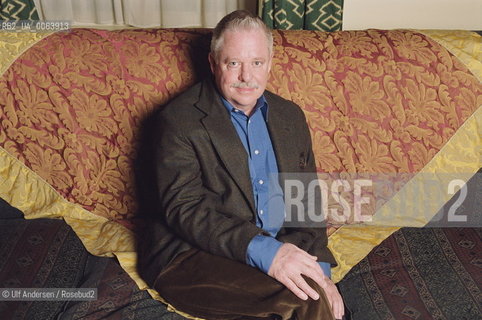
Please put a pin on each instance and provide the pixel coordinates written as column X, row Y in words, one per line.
column 412, row 14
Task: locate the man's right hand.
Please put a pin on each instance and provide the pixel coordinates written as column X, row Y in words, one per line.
column 288, row 266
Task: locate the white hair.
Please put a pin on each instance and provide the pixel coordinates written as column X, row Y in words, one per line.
column 236, row 21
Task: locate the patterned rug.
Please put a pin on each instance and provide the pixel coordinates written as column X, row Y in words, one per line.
column 423, row 273
column 419, row 274
column 46, row 253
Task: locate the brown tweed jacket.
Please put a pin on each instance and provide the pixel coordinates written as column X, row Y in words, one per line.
column 204, row 183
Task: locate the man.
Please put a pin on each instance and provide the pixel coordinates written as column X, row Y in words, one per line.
column 219, row 250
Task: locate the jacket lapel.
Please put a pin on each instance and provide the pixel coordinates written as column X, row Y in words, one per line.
column 280, row 133
column 225, row 139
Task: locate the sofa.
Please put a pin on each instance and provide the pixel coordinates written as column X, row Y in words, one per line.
column 76, row 161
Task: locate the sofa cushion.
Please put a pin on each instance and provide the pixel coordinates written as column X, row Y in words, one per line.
column 117, row 78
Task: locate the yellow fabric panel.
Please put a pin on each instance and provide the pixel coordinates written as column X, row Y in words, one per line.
column 13, row 44
column 25, row 190
column 459, row 158
column 465, row 45
column 351, row 243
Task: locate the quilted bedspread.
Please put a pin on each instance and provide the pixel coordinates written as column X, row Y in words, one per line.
column 72, row 105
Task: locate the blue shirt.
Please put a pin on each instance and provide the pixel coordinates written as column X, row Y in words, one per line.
column 263, row 170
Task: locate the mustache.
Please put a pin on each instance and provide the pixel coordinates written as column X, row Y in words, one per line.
column 250, row 85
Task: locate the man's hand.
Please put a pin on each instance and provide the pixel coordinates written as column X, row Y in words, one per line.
column 288, row 266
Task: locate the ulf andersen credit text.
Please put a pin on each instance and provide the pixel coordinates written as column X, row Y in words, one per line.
column 48, row 294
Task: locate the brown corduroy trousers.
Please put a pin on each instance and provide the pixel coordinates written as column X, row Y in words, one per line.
column 215, row 288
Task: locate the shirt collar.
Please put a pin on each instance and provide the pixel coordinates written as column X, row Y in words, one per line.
column 261, row 103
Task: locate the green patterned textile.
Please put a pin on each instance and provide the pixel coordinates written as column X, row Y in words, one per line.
column 323, row 15
column 18, row 10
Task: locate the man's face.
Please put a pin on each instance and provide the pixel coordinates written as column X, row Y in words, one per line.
column 242, row 67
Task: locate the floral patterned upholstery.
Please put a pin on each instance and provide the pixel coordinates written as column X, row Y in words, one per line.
column 376, row 101
column 72, row 104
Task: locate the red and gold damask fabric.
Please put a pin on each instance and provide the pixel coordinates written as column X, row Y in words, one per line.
column 72, row 105
column 376, row 101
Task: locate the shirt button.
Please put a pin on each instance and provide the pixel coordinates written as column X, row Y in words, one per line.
column 261, row 211
column 260, row 181
column 256, row 151
column 249, row 121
